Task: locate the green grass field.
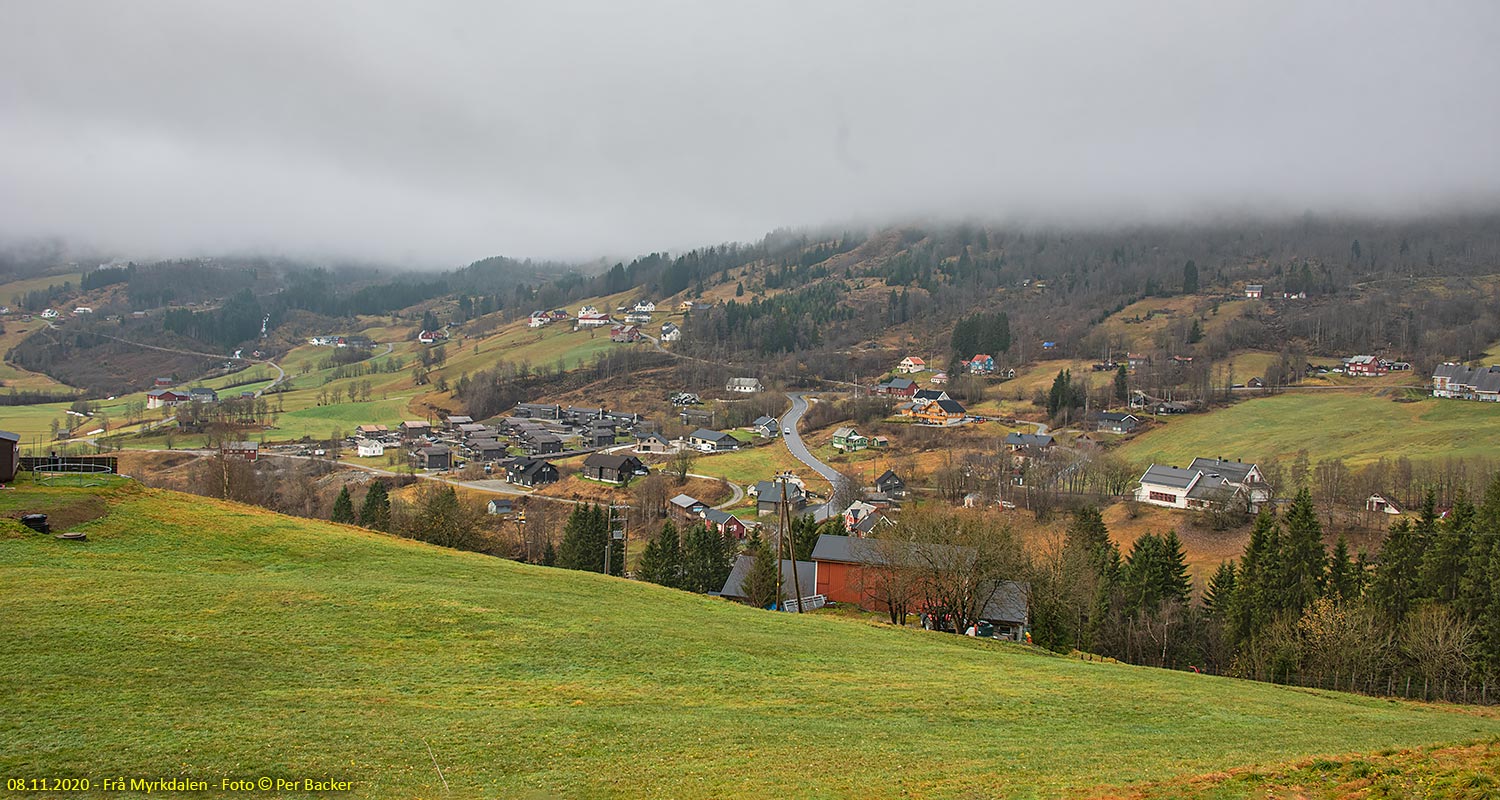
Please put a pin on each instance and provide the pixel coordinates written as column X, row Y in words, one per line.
column 1357, row 427
column 193, row 638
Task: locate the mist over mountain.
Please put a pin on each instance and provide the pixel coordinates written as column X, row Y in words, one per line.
column 440, row 134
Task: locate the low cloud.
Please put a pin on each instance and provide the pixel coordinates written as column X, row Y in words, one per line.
column 439, row 133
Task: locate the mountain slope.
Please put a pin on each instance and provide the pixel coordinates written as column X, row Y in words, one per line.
column 209, row 640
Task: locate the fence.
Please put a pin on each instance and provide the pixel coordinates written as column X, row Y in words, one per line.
column 812, row 603
column 80, row 464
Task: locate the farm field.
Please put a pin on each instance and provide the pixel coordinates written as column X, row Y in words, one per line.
column 238, row 628
column 1357, row 427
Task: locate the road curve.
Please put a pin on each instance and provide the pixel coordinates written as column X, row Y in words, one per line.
column 799, row 451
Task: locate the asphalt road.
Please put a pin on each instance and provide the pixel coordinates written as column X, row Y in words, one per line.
column 799, row 450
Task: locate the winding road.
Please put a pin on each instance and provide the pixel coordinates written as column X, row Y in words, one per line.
column 799, row 451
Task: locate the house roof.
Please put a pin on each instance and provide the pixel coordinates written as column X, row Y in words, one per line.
column 744, row 381
column 1115, row 416
column 1483, row 379
column 718, row 517
column 930, row 394
column 1029, row 439
column 654, row 437
column 609, row 461
column 844, row 433
column 435, row 450
column 887, row 477
column 898, row 383
column 415, row 423
column 1235, row 471
column 685, row 501
column 1007, row 604
column 1172, row 477
column 710, row 436
column 807, row 577
column 242, row 445
column 950, row 406
column 770, row 491
column 10, row 437
column 456, row 419
column 763, row 420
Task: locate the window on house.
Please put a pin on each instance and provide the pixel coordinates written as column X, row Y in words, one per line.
column 1164, row 497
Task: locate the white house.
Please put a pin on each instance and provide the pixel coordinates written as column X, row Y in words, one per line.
column 670, row 332
column 83, row 310
column 744, row 385
column 50, row 313
column 911, row 365
column 1204, row 482
column 645, row 307
column 369, row 448
column 1254, row 291
column 1382, row 504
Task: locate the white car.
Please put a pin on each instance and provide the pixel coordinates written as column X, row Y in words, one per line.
column 786, row 431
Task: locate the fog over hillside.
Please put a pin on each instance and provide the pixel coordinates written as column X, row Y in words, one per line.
column 437, row 133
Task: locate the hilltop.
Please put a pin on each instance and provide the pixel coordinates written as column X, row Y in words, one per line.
column 196, row 638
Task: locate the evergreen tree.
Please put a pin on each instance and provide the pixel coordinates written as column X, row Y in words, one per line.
column 1303, row 557
column 375, row 513
column 1251, row 606
column 343, row 507
column 429, row 321
column 549, row 555
column 1190, row 277
column 1122, row 384
column 706, row 560
column 661, row 561
column 1479, row 588
column 1343, row 582
column 584, row 536
column 1195, row 335
column 1443, row 560
column 1218, row 596
column 1395, row 585
column 739, row 289
column 759, row 586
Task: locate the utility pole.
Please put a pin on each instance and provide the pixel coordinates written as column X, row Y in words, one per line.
column 612, row 534
column 791, row 546
column 521, row 522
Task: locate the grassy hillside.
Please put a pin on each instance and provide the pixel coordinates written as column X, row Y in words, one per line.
column 1356, row 426
column 195, row 638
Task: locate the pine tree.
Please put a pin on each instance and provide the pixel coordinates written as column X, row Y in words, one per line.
column 1304, row 558
column 759, row 586
column 549, row 555
column 343, row 507
column 739, row 289
column 661, row 561
column 1195, row 334
column 1176, row 584
column 375, row 513
column 1122, row 384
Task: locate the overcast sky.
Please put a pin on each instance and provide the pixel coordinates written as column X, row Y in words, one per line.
column 444, row 132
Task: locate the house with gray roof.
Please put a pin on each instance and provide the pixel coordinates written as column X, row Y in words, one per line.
column 805, row 577
column 1467, row 383
column 1017, row 441
column 768, row 497
column 712, row 441
column 1205, row 482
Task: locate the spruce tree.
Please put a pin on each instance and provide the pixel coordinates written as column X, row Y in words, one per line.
column 1218, row 596
column 705, row 560
column 343, row 507
column 1394, row 587
column 661, row 561
column 1343, row 583
column 759, row 586
column 375, row 513
column 1122, row 384
column 1250, row 609
column 1190, row 277
column 549, row 555
column 582, row 545
column 1304, row 558
column 1443, row 559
